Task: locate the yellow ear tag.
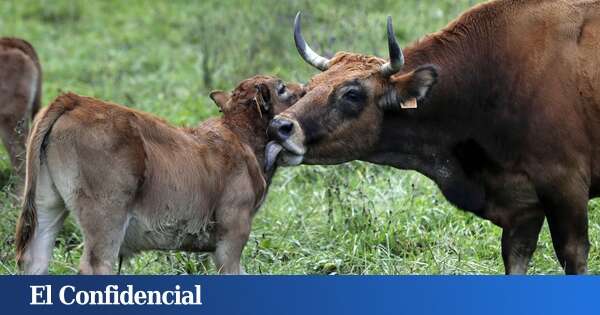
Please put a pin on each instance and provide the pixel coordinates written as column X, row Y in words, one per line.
column 410, row 103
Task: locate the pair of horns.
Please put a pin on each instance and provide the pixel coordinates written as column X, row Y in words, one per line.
column 312, row 58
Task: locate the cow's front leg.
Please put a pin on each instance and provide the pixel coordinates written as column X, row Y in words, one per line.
column 519, row 243
column 233, row 233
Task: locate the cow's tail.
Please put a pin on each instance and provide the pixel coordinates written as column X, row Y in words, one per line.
column 42, row 125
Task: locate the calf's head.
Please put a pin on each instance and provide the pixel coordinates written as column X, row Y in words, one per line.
column 340, row 117
column 267, row 95
column 255, row 101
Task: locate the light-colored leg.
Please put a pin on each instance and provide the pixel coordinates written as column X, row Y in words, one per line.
column 103, row 229
column 51, row 214
column 233, row 234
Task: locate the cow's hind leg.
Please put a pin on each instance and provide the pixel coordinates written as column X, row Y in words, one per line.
column 103, row 226
column 13, row 133
column 519, row 243
column 51, row 214
column 567, row 214
column 570, row 239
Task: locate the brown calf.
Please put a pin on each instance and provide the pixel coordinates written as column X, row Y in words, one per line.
column 136, row 183
column 20, row 94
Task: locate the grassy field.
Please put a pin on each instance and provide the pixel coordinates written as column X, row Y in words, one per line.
column 165, row 56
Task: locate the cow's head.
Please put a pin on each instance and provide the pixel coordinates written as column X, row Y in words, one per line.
column 340, row 117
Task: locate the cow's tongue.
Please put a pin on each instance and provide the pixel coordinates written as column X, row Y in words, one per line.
column 271, row 152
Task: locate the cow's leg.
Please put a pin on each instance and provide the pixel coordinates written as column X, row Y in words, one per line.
column 103, row 229
column 232, row 235
column 569, row 230
column 519, row 243
column 13, row 134
column 567, row 214
column 51, row 214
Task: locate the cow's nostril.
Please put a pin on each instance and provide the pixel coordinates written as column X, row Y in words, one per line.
column 280, row 129
column 286, row 129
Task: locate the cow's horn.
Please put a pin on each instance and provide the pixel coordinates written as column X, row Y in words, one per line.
column 396, row 56
column 305, row 51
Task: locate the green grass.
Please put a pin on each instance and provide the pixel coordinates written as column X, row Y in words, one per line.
column 165, row 56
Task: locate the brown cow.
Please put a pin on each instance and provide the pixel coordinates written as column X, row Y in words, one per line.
column 20, row 96
column 136, row 183
column 509, row 132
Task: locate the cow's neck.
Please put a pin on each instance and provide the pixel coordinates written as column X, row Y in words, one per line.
column 439, row 138
column 250, row 127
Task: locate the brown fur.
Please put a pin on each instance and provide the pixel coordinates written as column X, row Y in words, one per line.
column 509, row 132
column 41, row 128
column 136, row 183
column 20, row 95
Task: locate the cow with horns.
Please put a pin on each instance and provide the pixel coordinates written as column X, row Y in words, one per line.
column 501, row 109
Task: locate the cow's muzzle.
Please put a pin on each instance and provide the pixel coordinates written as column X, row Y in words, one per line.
column 288, row 133
column 280, row 129
column 286, row 145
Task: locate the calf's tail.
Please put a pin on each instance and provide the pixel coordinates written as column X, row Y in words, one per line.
column 42, row 126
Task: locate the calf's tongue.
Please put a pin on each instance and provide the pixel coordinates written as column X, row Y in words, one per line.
column 271, row 152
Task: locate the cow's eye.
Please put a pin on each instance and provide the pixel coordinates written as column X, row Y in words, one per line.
column 352, row 95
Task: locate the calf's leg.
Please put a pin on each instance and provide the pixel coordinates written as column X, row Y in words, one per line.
column 103, row 226
column 51, row 214
column 232, row 234
column 519, row 243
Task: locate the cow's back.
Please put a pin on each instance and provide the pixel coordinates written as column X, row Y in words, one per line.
column 548, row 69
column 92, row 151
column 565, row 66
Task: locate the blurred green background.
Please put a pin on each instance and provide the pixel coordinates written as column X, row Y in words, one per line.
column 165, row 57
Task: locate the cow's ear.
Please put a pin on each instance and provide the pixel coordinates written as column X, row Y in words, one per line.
column 415, row 85
column 220, row 98
column 263, row 97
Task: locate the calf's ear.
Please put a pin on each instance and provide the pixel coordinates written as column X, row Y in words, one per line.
column 263, row 97
column 410, row 88
column 220, row 98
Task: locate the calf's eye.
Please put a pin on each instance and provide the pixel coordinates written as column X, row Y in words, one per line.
column 281, row 89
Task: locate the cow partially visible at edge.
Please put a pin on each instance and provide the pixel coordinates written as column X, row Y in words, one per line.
column 20, row 96
column 501, row 109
